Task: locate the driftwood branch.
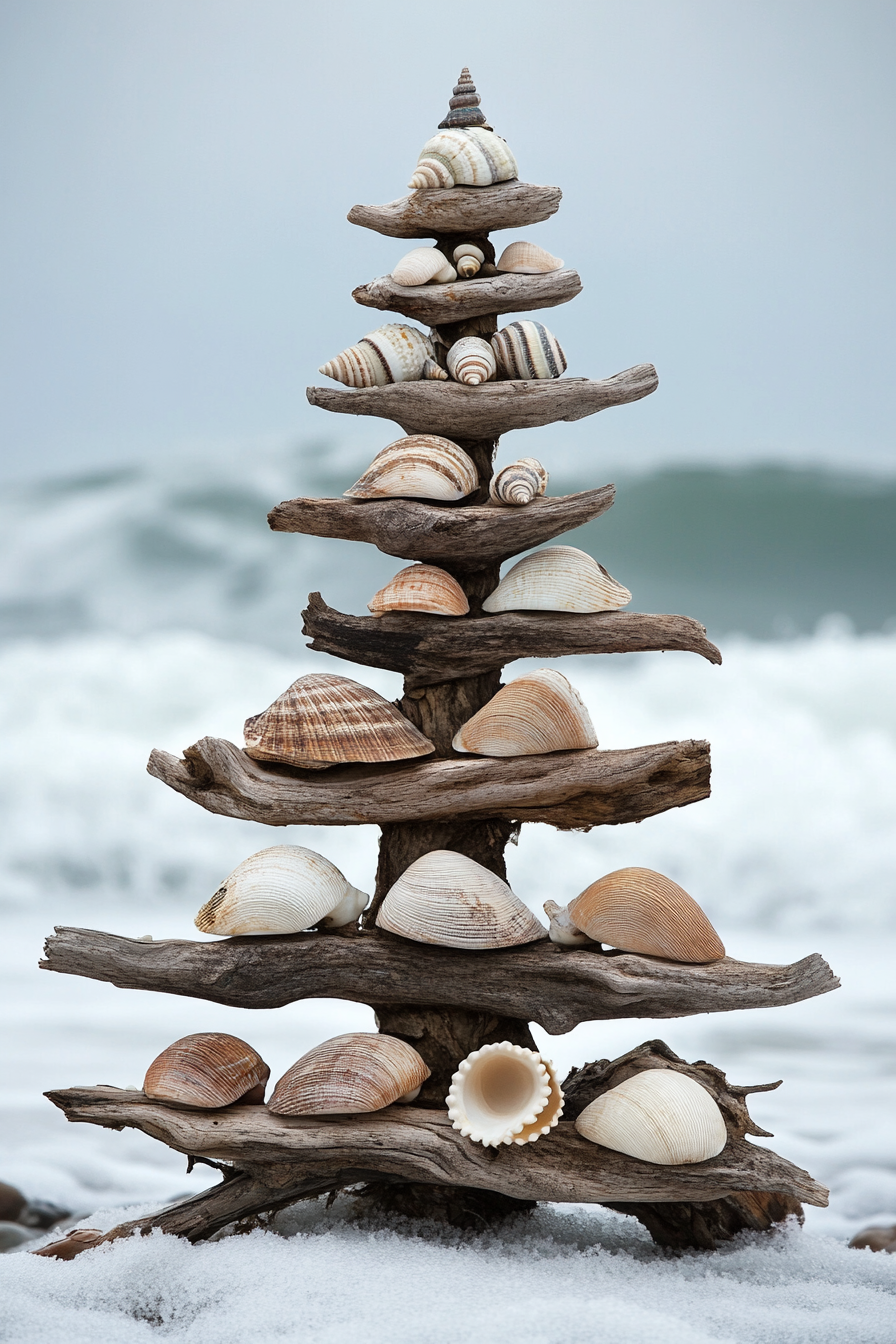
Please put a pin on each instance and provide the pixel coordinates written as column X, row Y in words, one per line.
column 465, row 299
column 469, row 210
column 569, row 789
column 556, row 987
column 433, row 649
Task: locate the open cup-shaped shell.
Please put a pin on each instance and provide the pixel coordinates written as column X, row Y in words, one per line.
column 638, row 910
column 504, row 1093
column 421, row 588
column 283, row 889
column 659, row 1115
column 351, row 1074
column 557, row 578
column 536, row 713
column 207, row 1070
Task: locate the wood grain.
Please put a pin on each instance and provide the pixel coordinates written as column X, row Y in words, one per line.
column 465, row 299
column 465, row 210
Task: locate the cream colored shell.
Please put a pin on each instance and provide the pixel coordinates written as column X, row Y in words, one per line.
column 536, row 713
column 423, row 264
column 658, row 1115
column 207, row 1070
column 504, row 1093
column 525, row 258
column 419, row 466
column 468, row 259
column 519, row 483
column 350, row 1075
column 471, row 157
column 283, row 889
column 423, row 588
column 558, row 578
column 394, row 353
column 471, row 360
column 561, row 929
column 638, row 910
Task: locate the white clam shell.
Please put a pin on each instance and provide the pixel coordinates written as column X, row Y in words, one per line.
column 504, row 1093
column 471, row 360
column 524, row 258
column 468, row 259
column 561, row 929
column 519, row 483
column 536, row 713
column 558, row 578
column 528, row 350
column 421, row 265
column 471, row 157
column 351, row 1074
column 423, row 588
column 283, row 889
column 658, row 1115
column 393, row 353
column 420, row 466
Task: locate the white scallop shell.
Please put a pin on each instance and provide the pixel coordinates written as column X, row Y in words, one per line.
column 503, row 1093
column 423, row 588
column 283, row 889
column 518, row 483
column 468, row 259
column 658, row 1115
column 524, row 258
column 351, row 1074
column 558, row 578
column 471, row 360
column 528, row 350
column 471, row 157
column 533, row 714
column 561, row 929
column 393, row 353
column 420, row 466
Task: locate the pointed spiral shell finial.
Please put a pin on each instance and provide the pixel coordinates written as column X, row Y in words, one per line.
column 504, row 1093
column 658, row 1115
column 519, row 483
column 353, row 1074
column 463, row 108
column 207, row 1070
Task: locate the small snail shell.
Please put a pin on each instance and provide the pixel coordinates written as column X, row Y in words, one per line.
column 658, row 1115
column 638, row 910
column 421, row 588
column 504, row 1093
column 394, row 353
column 351, row 1074
column 536, row 713
column 519, row 483
column 471, row 360
column 420, row 466
column 421, row 265
column 528, row 350
column 527, row 259
column 464, row 106
column 471, row 157
column 208, row 1069
column 468, row 258
column 283, row 889
column 557, row 578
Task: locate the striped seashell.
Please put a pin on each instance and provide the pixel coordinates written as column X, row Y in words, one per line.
column 471, row 157
column 207, row 1070
column 352, row 1074
column 325, row 720
column 471, row 360
column 283, row 889
column 527, row 259
column 528, row 350
column 504, row 1093
column 658, row 1115
column 534, row 714
column 464, row 106
column 638, row 910
column 394, row 353
column 468, row 259
column 557, row 578
column 449, row 900
column 561, row 929
column 421, row 265
column 420, row 466
column 421, row 588
column 519, row 483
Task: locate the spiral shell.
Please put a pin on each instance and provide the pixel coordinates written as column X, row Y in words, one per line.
column 638, row 910
column 324, row 720
column 464, row 106
column 283, row 889
column 394, row 353
column 504, row 1093
column 421, row 588
column 557, row 578
column 468, row 259
column 471, row 360
column 519, row 483
column 207, row 1070
column 471, row 157
column 658, row 1115
column 352, row 1074
column 421, row 265
column 527, row 259
column 420, row 466
column 534, row 714
column 528, row 350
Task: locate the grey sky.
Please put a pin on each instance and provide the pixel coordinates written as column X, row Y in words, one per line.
column 176, row 175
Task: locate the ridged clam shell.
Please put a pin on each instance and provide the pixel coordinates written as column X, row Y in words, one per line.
column 394, row 353
column 558, row 578
column 464, row 106
column 471, row 360
column 352, row 1074
column 420, row 466
column 528, row 350
column 504, row 1093
column 421, row 265
column 324, row 720
column 421, row 588
column 208, row 1069
column 519, row 483
column 561, row 929
column 527, row 259
column 638, row 910
column 463, row 157
column 468, row 259
column 283, row 889
column 452, row 901
column 535, row 713
column 658, row 1115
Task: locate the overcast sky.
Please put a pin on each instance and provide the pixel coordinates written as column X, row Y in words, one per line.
column 176, row 174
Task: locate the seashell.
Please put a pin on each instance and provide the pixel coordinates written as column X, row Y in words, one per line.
column 421, row 265
column 527, row 259
column 394, row 353
column 420, row 466
column 463, row 157
column 349, row 1075
column 558, row 578
column 452, row 901
column 324, row 720
column 658, row 1115
column 471, row 360
column 528, row 350
column 209, row 1069
column 504, row 1093
column 561, row 929
column 421, row 588
column 468, row 258
column 519, row 483
column 464, row 106
column 283, row 889
column 533, row 714
column 638, row 910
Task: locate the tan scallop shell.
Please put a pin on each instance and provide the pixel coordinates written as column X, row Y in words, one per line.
column 558, row 578
column 325, row 720
column 352, row 1074
column 638, row 910
column 471, row 360
column 468, row 259
column 208, row 1069
column 504, row 1093
column 393, row 353
column 658, row 1115
column 419, row 466
column 534, row 714
column 527, row 259
column 283, row 889
column 452, row 901
column 421, row 588
column 519, row 483
column 421, row 265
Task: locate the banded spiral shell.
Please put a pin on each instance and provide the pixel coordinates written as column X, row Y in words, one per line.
column 421, row 588
column 463, row 108
column 463, row 157
column 638, row 910
column 449, row 900
column 421, row 265
column 519, row 483
column 471, row 360
column 352, row 1074
column 504, row 1093
column 324, row 720
column 207, row 1070
column 528, row 350
column 420, row 466
column 533, row 714
column 283, row 889
column 658, row 1115
column 527, row 259
column 468, row 259
column 558, row 578
column 394, row 353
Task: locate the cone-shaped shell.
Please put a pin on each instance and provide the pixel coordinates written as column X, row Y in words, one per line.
column 519, row 483
column 658, row 1115
column 209, row 1069
column 468, row 259
column 325, row 720
column 524, row 258
column 421, row 265
column 504, row 1093
column 420, row 466
column 421, row 588
column 471, row 360
column 452, row 901
column 283, row 889
column 394, row 353
column 558, row 578
column 464, row 106
column 638, row 910
column 350, row 1075
column 535, row 713
column 528, row 350
column 471, row 157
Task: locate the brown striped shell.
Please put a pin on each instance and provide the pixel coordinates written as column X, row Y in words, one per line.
column 352, row 1074
column 519, row 483
column 471, row 360
column 468, row 259
column 638, row 910
column 393, row 353
column 207, row 1070
column 419, row 466
column 463, row 108
column 536, row 713
column 528, row 350
column 421, row 588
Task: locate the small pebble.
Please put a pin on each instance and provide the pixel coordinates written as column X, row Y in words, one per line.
column 875, row 1239
column 12, row 1202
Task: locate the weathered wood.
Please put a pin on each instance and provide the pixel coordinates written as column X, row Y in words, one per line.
column 491, row 409
column 558, row 988
column 465, row 299
column 433, row 649
column 569, row 790
column 465, row 539
column 460, row 210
